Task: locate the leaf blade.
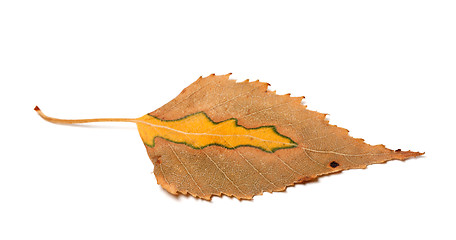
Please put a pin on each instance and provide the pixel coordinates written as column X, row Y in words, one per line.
column 245, row 172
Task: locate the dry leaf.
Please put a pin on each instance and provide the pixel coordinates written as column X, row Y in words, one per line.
column 239, row 139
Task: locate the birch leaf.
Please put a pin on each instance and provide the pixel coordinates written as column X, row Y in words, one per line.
column 219, row 136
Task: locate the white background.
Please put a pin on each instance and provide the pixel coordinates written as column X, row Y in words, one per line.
column 382, row 69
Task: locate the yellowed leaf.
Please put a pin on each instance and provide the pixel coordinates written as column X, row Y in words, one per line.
column 239, row 139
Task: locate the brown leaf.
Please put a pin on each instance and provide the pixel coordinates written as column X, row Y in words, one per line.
column 239, row 139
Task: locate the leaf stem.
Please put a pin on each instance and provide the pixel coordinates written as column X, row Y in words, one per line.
column 73, row 121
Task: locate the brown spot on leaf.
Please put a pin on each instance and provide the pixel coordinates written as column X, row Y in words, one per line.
column 334, row 164
column 156, row 159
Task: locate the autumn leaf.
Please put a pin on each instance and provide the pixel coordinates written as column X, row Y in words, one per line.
column 219, row 136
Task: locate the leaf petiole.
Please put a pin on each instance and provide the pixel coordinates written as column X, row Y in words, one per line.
column 75, row 121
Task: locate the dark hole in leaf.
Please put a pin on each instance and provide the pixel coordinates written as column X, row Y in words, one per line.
column 334, row 164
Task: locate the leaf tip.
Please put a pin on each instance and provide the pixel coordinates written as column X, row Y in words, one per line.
column 415, row 153
column 37, row 108
column 403, row 155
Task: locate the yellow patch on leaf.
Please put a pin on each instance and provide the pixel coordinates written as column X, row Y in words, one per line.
column 199, row 131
